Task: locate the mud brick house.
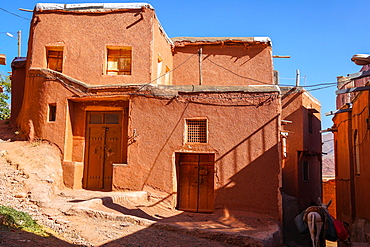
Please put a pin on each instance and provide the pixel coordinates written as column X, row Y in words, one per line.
column 302, row 157
column 131, row 109
column 352, row 140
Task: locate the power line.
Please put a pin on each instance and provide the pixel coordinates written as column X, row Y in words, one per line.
column 14, row 14
column 6, row 44
column 168, row 71
column 244, row 77
column 320, row 88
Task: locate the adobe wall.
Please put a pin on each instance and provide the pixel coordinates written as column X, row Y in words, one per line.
column 312, row 144
column 161, row 49
column 33, row 117
column 85, row 38
column 343, row 160
column 360, row 122
column 328, row 193
column 247, row 150
column 302, row 145
column 18, row 79
column 224, row 65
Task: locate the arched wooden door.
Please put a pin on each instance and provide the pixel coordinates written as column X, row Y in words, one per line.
column 103, row 148
column 196, row 182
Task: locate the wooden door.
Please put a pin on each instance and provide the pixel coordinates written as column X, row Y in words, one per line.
column 196, row 182
column 103, row 148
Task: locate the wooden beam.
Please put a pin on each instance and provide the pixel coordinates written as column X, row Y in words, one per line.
column 359, row 74
column 352, row 90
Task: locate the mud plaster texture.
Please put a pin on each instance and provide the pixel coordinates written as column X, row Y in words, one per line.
column 31, row 181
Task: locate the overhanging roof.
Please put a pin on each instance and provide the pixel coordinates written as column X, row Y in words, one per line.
column 93, row 7
column 219, row 40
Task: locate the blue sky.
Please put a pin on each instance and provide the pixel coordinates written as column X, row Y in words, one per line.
column 320, row 36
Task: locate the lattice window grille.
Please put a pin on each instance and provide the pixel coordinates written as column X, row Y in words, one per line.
column 196, row 130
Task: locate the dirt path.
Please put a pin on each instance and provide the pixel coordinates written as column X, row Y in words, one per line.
column 30, row 181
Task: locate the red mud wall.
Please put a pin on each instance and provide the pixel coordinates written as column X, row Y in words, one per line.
column 342, row 140
column 224, row 65
column 18, row 81
column 246, row 150
column 328, row 194
column 85, row 38
column 303, row 145
column 360, row 129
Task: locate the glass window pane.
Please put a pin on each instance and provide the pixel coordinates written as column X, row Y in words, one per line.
column 112, row 118
column 96, row 118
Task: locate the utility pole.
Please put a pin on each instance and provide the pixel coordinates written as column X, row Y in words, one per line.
column 297, row 78
column 19, row 42
column 19, row 37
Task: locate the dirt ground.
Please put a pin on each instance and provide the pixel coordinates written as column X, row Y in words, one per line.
column 31, row 181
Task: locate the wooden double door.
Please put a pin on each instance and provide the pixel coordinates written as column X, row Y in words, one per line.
column 103, row 149
column 196, row 182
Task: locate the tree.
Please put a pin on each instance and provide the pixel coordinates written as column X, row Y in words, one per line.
column 4, row 97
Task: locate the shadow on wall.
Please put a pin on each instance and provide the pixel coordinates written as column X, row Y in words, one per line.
column 255, row 181
column 302, row 166
column 155, row 162
column 232, row 52
column 255, row 187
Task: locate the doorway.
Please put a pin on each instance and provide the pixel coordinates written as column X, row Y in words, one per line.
column 196, row 182
column 103, row 149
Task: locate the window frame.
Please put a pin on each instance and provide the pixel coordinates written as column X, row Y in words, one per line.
column 186, row 132
column 356, row 152
column 117, row 71
column 310, row 122
column 52, row 112
column 59, row 58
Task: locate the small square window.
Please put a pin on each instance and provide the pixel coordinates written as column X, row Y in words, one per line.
column 119, row 61
column 310, row 122
column 52, row 112
column 54, row 57
column 196, row 130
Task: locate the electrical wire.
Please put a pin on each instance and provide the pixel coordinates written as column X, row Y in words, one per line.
column 218, row 98
column 241, row 76
column 6, row 44
column 168, row 71
column 363, row 139
column 14, row 14
column 319, row 88
column 356, row 115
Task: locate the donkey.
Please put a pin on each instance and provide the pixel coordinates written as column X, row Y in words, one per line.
column 315, row 217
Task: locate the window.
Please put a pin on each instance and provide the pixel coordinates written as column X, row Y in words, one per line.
column 196, row 130
column 310, row 122
column 159, row 69
column 167, row 76
column 119, row 61
column 357, row 152
column 52, row 112
column 54, row 57
column 305, row 171
column 104, row 118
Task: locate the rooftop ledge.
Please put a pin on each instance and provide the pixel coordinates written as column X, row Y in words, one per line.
column 171, row 89
column 90, row 6
column 214, row 40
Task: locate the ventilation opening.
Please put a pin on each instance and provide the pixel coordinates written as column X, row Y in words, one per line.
column 52, row 112
column 196, row 130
